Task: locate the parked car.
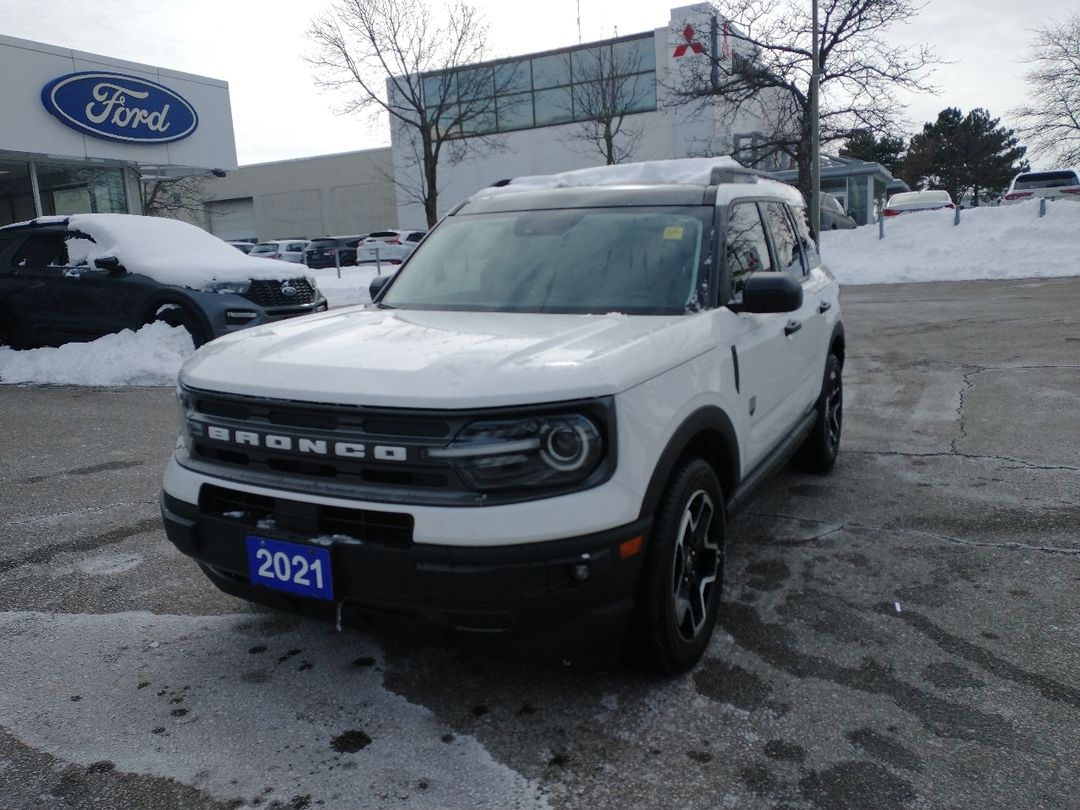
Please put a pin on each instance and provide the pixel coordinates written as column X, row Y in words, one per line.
column 540, row 430
column 1056, row 184
column 243, row 247
column 288, row 250
column 83, row 276
column 320, row 252
column 833, row 215
column 909, row 201
column 388, row 246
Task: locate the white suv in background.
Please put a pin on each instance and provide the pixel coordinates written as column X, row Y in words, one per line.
column 388, row 246
column 1056, row 184
column 287, row 250
column 538, row 432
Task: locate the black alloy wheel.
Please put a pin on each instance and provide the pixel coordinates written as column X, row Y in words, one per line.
column 818, row 453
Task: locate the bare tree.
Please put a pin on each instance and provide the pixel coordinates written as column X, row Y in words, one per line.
column 395, row 57
column 765, row 62
column 175, row 197
column 608, row 87
column 1050, row 122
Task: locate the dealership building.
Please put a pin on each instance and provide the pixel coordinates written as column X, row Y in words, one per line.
column 79, row 130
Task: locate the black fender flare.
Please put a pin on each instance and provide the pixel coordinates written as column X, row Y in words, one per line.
column 194, row 310
column 719, row 446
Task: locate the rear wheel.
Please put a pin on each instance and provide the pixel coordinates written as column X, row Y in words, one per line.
column 176, row 315
column 679, row 593
column 818, row 453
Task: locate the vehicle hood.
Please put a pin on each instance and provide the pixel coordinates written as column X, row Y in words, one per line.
column 423, row 359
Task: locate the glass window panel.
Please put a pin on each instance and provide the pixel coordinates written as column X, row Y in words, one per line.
column 81, row 189
column 785, row 242
column 638, row 93
column 746, row 249
column 590, row 64
column 553, row 106
column 476, row 83
column 551, row 71
column 515, row 112
column 16, row 192
column 437, row 88
column 479, row 120
column 513, row 77
column 635, row 56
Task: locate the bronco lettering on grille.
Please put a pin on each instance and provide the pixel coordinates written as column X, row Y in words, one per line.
column 304, row 446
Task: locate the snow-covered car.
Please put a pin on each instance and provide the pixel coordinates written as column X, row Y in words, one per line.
column 539, row 430
column 286, row 250
column 908, row 202
column 833, row 215
column 388, row 246
column 1055, row 184
column 78, row 277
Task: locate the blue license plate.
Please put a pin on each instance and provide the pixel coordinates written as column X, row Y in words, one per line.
column 291, row 567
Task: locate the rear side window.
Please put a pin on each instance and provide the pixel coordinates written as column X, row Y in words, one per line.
column 415, row 236
column 1047, row 180
column 802, row 230
column 292, row 247
column 785, row 241
column 42, row 250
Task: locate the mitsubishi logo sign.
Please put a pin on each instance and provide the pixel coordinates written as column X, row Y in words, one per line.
column 690, row 43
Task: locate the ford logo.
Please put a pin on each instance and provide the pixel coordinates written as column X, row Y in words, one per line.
column 288, row 290
column 117, row 107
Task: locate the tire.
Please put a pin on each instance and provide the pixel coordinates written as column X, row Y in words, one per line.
column 682, row 582
column 818, row 453
column 176, row 315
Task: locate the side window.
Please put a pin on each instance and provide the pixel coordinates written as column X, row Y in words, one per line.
column 415, row 236
column 746, row 250
column 41, row 250
column 785, row 242
column 802, row 228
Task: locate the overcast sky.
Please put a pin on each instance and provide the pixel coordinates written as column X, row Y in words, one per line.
column 257, row 47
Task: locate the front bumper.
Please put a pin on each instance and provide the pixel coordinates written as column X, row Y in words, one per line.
column 558, row 597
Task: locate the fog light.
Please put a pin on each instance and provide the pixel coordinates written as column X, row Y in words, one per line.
column 581, row 570
column 240, row 314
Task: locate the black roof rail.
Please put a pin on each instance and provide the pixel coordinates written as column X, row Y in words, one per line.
column 736, row 174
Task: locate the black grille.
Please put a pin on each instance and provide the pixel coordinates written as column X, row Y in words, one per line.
column 278, row 514
column 271, row 294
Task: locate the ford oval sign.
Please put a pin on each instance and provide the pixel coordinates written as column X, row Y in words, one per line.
column 117, row 107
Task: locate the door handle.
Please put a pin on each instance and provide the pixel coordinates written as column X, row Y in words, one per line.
column 824, row 306
column 792, row 327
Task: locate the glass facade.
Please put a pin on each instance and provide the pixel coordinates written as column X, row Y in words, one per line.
column 62, row 188
column 577, row 84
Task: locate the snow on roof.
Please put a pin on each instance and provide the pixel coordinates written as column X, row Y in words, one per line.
column 677, row 171
column 168, row 251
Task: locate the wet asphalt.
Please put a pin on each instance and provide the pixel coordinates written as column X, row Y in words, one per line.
column 897, row 634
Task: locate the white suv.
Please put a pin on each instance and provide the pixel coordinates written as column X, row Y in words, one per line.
column 540, row 429
column 392, row 247
column 1056, row 184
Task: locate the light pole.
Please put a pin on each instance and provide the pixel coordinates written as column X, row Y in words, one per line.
column 815, row 133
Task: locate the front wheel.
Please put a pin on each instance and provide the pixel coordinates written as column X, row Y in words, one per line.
column 679, row 593
column 818, row 453
column 176, row 315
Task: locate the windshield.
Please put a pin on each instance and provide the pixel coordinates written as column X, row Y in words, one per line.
column 581, row 260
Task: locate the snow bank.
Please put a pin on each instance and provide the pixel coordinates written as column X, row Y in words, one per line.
column 1010, row 241
column 151, row 356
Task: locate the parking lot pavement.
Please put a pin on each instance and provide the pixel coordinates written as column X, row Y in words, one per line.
column 897, row 634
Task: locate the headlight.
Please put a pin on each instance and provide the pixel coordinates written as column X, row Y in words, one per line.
column 227, row 287
column 540, row 451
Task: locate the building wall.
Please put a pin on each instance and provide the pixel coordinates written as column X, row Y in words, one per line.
column 673, row 130
column 339, row 194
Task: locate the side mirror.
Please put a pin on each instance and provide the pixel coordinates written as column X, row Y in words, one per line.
column 110, row 263
column 769, row 292
column 376, row 286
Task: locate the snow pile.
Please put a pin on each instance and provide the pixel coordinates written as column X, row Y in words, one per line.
column 151, row 356
column 1010, row 241
column 352, row 287
column 169, row 251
